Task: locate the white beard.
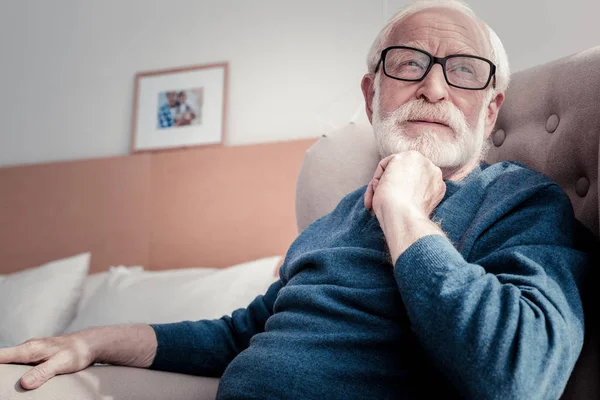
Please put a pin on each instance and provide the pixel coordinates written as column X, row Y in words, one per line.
column 468, row 142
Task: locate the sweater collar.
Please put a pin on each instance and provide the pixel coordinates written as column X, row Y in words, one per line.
column 453, row 186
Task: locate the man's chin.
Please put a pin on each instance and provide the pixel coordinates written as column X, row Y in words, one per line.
column 443, row 161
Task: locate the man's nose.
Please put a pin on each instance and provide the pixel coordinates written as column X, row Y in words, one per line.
column 434, row 87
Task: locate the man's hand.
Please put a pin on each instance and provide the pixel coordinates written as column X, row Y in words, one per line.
column 131, row 345
column 403, row 181
column 404, row 191
column 53, row 356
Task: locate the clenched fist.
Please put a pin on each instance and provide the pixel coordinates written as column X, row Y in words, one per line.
column 405, row 180
column 404, row 191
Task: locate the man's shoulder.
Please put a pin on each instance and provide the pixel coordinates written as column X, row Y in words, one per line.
column 511, row 179
column 515, row 190
column 521, row 205
column 506, row 192
column 509, row 170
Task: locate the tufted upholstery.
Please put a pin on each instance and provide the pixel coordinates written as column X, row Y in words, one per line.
column 550, row 121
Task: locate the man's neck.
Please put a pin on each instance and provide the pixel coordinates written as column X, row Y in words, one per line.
column 452, row 174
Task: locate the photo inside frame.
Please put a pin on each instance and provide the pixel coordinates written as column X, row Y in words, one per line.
column 178, row 108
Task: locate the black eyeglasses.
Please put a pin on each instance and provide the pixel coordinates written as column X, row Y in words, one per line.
column 413, row 65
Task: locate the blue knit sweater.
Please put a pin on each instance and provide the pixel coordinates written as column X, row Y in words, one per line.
column 492, row 311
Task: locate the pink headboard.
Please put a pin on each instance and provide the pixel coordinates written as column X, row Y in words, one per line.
column 197, row 207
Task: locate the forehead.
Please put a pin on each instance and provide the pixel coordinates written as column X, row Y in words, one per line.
column 441, row 32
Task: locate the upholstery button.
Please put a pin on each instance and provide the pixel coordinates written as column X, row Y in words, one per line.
column 582, row 186
column 552, row 123
column 499, row 137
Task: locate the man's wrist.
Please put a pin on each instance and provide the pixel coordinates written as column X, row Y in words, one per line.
column 132, row 345
column 89, row 339
column 403, row 226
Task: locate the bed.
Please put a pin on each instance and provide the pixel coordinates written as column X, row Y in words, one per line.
column 153, row 237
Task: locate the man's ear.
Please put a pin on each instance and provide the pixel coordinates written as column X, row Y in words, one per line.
column 492, row 113
column 368, row 89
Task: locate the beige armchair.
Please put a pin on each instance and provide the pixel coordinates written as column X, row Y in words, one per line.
column 550, row 121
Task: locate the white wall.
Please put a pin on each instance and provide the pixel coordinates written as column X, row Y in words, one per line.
column 68, row 66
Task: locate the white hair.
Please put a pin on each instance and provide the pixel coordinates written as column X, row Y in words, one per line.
column 498, row 53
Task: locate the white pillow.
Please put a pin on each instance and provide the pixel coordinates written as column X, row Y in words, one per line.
column 42, row 301
column 174, row 295
column 94, row 281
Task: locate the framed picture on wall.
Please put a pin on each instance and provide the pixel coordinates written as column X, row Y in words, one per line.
column 180, row 107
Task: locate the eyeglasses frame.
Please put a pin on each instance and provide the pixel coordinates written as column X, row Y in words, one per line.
column 436, row 60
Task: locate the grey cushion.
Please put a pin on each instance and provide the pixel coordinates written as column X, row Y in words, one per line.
column 333, row 167
column 550, row 121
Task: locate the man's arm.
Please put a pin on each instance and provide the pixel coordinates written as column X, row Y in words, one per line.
column 202, row 347
column 510, row 324
column 207, row 347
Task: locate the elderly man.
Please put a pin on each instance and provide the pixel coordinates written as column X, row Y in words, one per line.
column 444, row 277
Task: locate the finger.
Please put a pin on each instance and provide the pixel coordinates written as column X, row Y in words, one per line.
column 21, row 354
column 369, row 196
column 382, row 166
column 372, row 187
column 375, row 186
column 370, row 192
column 7, row 355
column 39, row 375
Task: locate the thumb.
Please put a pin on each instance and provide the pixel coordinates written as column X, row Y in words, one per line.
column 40, row 374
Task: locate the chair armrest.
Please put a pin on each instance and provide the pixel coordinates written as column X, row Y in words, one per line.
column 108, row 382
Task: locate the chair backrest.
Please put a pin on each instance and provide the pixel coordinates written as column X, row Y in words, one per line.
column 550, row 121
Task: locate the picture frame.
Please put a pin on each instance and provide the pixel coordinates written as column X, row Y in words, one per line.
column 180, row 107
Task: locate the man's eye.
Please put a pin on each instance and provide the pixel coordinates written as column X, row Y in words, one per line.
column 412, row 64
column 463, row 69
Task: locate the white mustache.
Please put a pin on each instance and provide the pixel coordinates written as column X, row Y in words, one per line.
column 445, row 113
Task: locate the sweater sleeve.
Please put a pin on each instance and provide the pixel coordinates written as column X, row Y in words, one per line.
column 206, row 347
column 509, row 324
